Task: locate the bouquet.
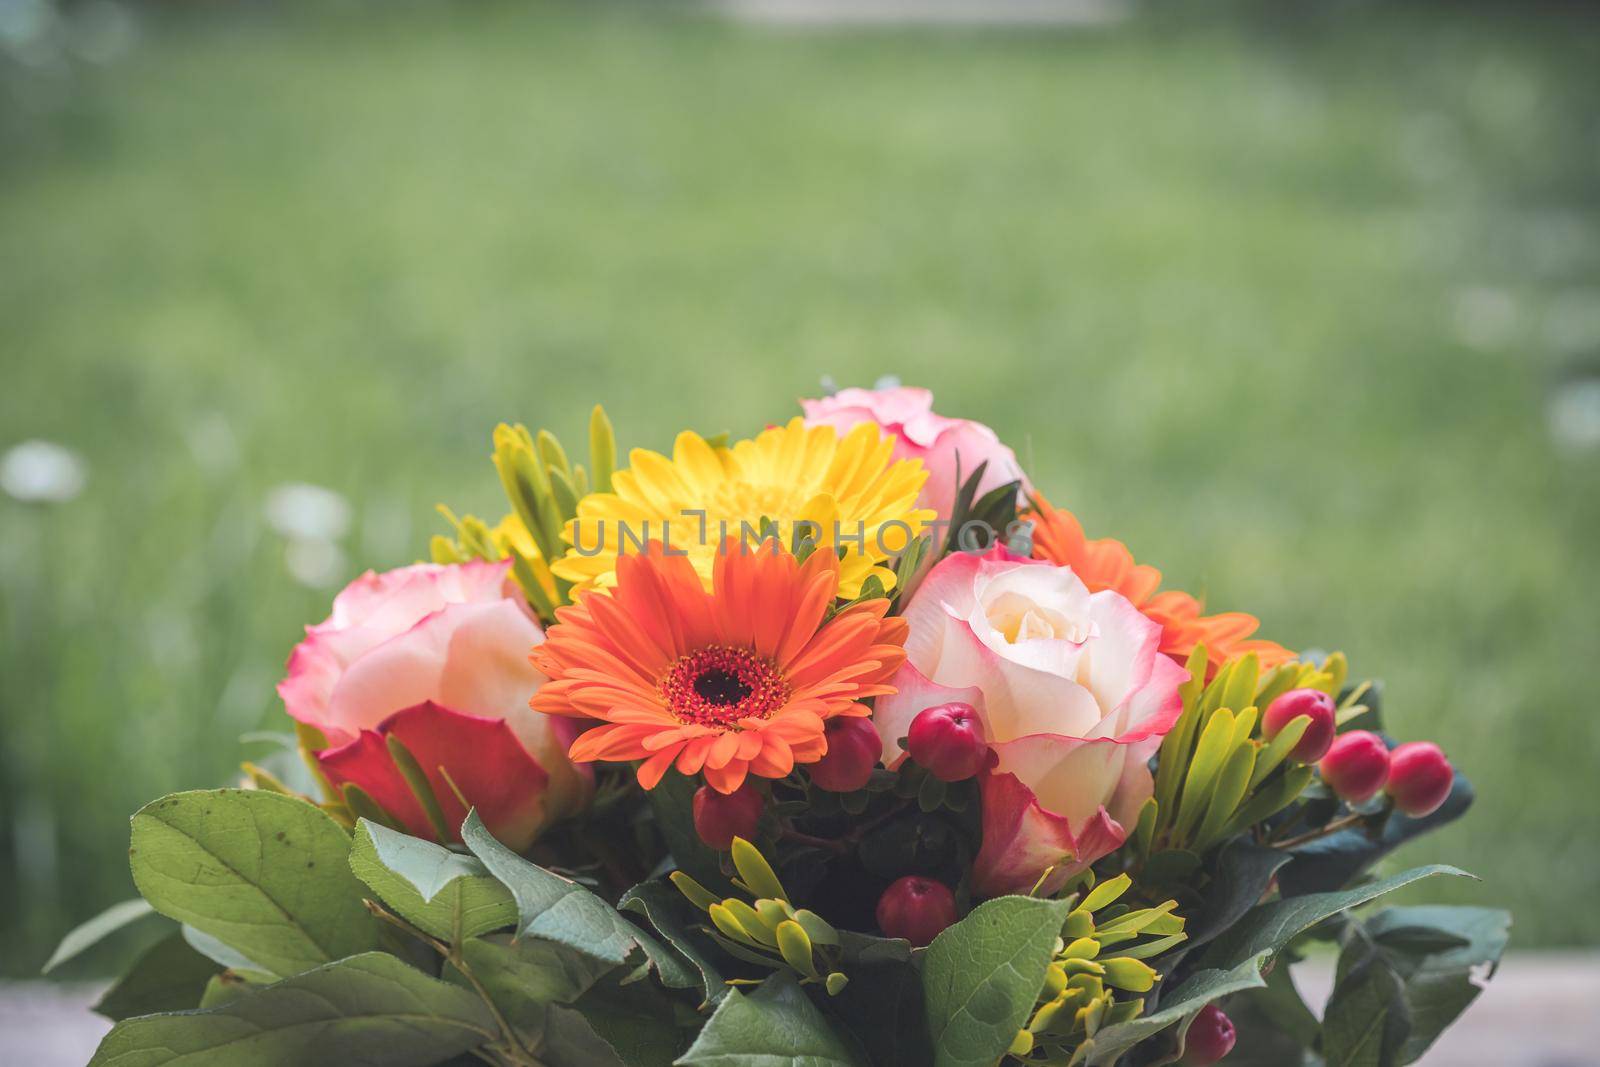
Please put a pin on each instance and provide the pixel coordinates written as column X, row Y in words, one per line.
column 836, row 746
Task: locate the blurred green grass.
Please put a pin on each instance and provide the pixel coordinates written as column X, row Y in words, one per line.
column 1277, row 300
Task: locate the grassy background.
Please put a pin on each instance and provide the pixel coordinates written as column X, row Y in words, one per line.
column 1280, row 302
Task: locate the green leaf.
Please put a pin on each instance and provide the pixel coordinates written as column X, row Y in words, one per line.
column 1333, row 861
column 451, row 896
column 86, row 935
column 1177, row 1007
column 222, row 955
column 265, row 874
column 981, row 977
column 531, row 969
column 1243, row 874
column 167, row 976
column 563, row 911
column 1234, row 960
column 882, row 1007
column 1366, row 1021
column 637, row 1021
column 672, row 804
column 370, row 1008
column 1266, row 929
column 776, row 1026
column 674, row 919
column 1423, row 960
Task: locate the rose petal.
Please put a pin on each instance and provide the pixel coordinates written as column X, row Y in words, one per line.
column 471, row 657
column 482, row 758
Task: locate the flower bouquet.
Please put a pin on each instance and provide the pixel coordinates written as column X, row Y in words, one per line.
column 840, row 745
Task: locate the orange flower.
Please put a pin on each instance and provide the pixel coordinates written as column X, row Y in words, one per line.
column 737, row 681
column 1107, row 564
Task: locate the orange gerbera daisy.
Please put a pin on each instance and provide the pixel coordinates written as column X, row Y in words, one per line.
column 1107, row 564
column 739, row 680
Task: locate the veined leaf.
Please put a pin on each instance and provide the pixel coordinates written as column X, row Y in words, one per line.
column 443, row 893
column 775, row 1026
column 369, row 1008
column 981, row 977
column 266, row 874
column 563, row 911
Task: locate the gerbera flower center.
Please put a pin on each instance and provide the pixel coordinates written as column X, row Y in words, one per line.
column 719, row 685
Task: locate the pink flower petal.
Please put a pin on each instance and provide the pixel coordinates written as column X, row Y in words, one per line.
column 484, row 760
column 472, row 657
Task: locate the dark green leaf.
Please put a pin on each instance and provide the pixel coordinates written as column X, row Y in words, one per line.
column 530, row 969
column 1177, row 1007
column 1243, row 875
column 637, row 1021
column 882, row 1007
column 264, row 873
column 1366, row 1020
column 167, row 976
column 1234, row 961
column 676, row 920
column 982, row 975
column 775, row 1026
column 451, row 896
column 1334, row 861
column 1441, row 955
column 1266, row 929
column 559, row 910
column 672, row 802
column 370, row 1008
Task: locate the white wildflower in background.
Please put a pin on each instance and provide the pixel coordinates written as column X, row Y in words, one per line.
column 42, row 472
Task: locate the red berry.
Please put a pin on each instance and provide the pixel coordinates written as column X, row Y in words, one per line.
column 916, row 909
column 721, row 817
column 853, row 751
column 1211, row 1037
column 1356, row 765
column 1419, row 778
column 1315, row 705
column 947, row 740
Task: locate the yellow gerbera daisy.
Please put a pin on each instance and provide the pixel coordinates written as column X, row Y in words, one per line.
column 852, row 498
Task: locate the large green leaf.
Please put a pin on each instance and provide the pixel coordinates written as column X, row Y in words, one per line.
column 1234, row 961
column 675, row 920
column 369, row 1009
column 775, row 1026
column 1412, row 968
column 264, row 873
column 560, row 910
column 167, row 976
column 530, row 970
column 982, row 976
column 451, row 896
column 1266, row 929
column 91, row 932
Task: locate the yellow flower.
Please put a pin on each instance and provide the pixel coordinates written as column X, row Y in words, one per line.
column 846, row 490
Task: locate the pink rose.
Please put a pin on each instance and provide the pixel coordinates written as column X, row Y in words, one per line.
column 436, row 657
column 1073, row 694
column 942, row 444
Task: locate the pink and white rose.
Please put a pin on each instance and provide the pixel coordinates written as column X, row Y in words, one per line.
column 437, row 657
column 1074, row 696
column 945, row 446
